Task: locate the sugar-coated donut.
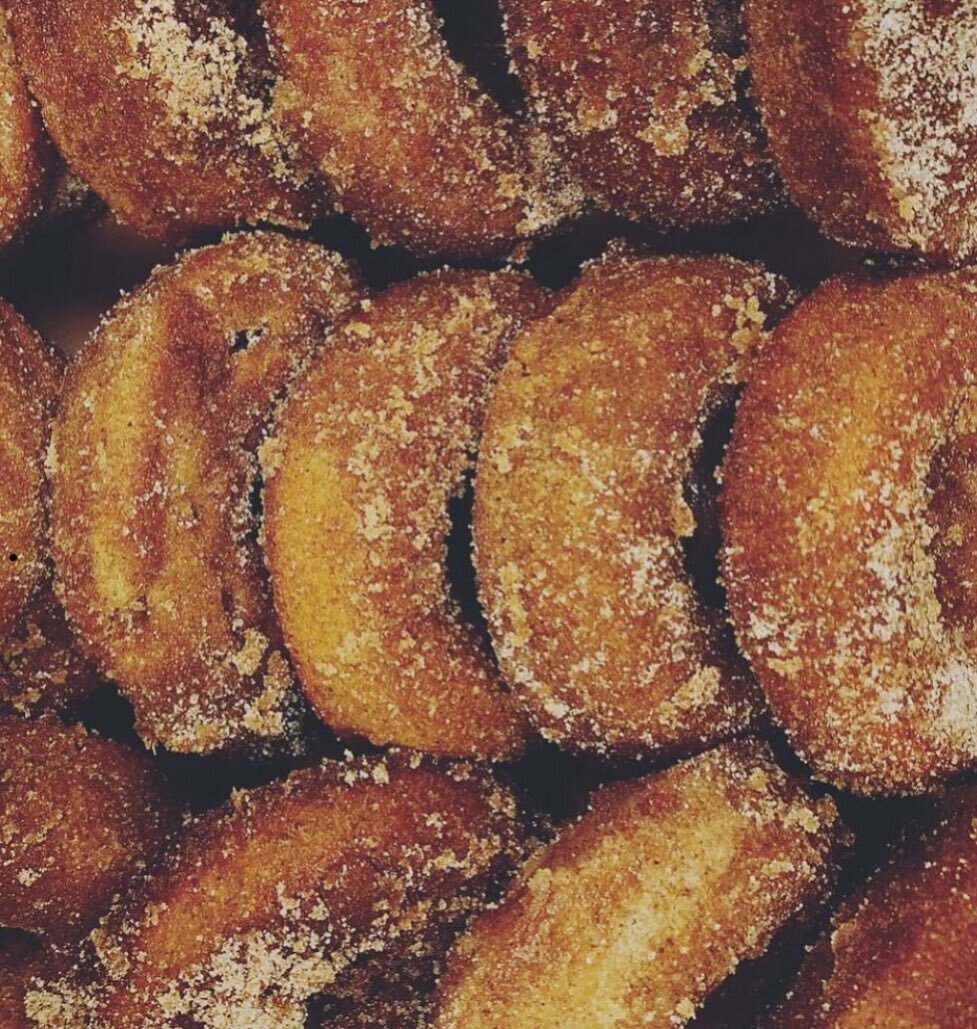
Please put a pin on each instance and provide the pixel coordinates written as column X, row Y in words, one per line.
column 26, row 160
column 900, row 952
column 162, row 108
column 153, row 471
column 373, row 444
column 581, row 510
column 872, row 118
column 79, row 816
column 847, row 529
column 413, row 147
column 648, row 902
column 647, row 101
column 273, row 897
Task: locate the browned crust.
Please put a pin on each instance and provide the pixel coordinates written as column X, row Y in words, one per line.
column 159, row 106
column 579, row 507
column 374, row 443
column 869, row 111
column 26, row 161
column 837, row 561
column 81, row 816
column 648, row 902
column 647, row 101
column 270, row 899
column 30, row 380
column 900, row 952
column 412, row 146
column 152, row 464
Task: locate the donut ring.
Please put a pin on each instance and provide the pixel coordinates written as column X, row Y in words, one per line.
column 26, row 163
column 580, row 509
column 152, row 463
column 840, row 575
column 646, row 101
column 414, row 149
column 183, row 140
column 81, row 816
column 373, row 444
column 647, row 903
column 900, row 951
column 869, row 113
column 273, row 897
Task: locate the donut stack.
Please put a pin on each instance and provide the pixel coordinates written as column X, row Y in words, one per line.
column 509, row 566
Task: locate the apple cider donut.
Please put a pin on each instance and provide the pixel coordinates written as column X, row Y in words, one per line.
column 162, row 107
column 871, row 111
column 373, row 444
column 847, row 527
column 275, row 896
column 152, row 464
column 413, row 147
column 581, row 512
column 900, row 951
column 647, row 102
column 26, row 160
column 649, row 902
column 79, row 816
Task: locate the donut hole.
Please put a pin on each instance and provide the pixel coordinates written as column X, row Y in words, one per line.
column 459, row 565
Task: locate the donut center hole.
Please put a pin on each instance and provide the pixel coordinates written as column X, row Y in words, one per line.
column 459, row 566
column 952, row 480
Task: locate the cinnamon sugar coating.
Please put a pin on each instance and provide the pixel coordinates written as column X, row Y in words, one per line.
column 26, row 161
column 580, row 509
column 900, row 952
column 413, row 147
column 648, row 902
column 79, row 817
column 647, row 102
column 153, row 469
column 847, row 521
column 374, row 443
column 871, row 112
column 162, row 107
column 274, row 897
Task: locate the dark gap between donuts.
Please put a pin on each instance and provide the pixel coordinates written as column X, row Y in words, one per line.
column 459, row 565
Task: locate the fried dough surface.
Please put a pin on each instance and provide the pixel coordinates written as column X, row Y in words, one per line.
column 26, row 161
column 373, row 444
column 648, row 902
column 273, row 897
column 580, row 509
column 413, row 147
column 647, row 102
column 901, row 952
column 848, row 522
column 153, row 468
column 162, row 106
column 79, row 816
column 871, row 111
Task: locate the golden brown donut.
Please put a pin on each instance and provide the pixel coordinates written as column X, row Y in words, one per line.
column 413, row 147
column 646, row 99
column 162, row 107
column 581, row 512
column 152, row 464
column 843, row 562
column 373, row 444
column 900, row 953
column 869, row 107
column 26, row 161
column 648, row 902
column 79, row 816
column 274, row 896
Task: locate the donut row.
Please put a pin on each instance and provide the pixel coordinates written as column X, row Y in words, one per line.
column 206, row 114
